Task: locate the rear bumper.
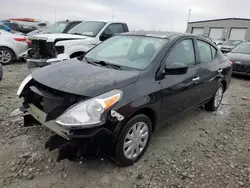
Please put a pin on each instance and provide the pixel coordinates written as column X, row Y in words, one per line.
column 67, row 133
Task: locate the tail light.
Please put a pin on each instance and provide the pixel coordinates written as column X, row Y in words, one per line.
column 20, row 39
column 230, row 62
column 23, row 39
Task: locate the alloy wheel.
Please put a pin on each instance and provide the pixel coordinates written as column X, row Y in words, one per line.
column 5, row 56
column 135, row 140
column 218, row 97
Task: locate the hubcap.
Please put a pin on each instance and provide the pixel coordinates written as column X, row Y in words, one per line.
column 135, row 140
column 218, row 97
column 5, row 56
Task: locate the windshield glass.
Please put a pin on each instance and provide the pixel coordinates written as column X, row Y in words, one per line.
column 242, row 48
column 231, row 42
column 134, row 52
column 88, row 28
column 57, row 27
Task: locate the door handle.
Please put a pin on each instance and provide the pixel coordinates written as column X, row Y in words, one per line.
column 220, row 70
column 195, row 79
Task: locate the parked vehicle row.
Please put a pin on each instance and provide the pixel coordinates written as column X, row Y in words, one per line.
column 118, row 93
column 49, row 48
column 12, row 46
column 58, row 27
column 240, row 57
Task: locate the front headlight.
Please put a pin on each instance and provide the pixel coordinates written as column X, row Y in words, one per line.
column 90, row 113
column 23, row 84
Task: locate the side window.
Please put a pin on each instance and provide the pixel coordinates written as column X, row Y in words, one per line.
column 204, row 51
column 214, row 52
column 183, row 52
column 114, row 29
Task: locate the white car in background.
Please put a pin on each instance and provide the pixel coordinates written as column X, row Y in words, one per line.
column 12, row 46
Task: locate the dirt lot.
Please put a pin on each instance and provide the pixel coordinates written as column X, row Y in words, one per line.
column 202, row 149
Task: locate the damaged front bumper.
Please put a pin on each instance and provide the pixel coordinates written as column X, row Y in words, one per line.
column 72, row 144
column 69, row 134
column 36, row 63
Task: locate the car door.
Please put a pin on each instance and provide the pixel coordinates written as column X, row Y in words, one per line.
column 208, row 69
column 179, row 92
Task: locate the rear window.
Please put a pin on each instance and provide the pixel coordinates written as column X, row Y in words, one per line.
column 204, row 51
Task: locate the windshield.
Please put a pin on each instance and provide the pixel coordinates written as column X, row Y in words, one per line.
column 242, row 48
column 88, row 28
column 231, row 42
column 133, row 52
column 57, row 27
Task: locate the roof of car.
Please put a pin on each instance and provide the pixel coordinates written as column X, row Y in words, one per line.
column 158, row 34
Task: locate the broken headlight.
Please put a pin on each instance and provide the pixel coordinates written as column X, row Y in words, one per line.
column 23, row 84
column 90, row 113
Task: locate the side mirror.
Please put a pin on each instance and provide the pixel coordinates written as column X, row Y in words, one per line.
column 105, row 36
column 175, row 69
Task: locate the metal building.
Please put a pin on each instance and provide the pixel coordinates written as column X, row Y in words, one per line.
column 229, row 28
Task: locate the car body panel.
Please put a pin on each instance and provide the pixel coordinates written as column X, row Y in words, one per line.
column 52, row 37
column 7, row 40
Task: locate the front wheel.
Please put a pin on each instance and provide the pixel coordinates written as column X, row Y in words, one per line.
column 133, row 140
column 215, row 102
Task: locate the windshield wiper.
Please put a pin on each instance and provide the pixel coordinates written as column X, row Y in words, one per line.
column 102, row 63
column 76, row 33
column 109, row 65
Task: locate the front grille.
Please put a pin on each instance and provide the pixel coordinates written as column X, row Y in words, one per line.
column 42, row 49
column 241, row 68
column 49, row 100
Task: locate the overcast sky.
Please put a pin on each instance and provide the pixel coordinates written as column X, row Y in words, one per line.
column 139, row 14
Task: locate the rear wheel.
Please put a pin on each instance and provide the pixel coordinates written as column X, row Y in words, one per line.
column 6, row 55
column 133, row 140
column 215, row 102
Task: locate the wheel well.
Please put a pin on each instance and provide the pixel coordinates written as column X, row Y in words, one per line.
column 150, row 114
column 76, row 54
column 10, row 50
column 224, row 83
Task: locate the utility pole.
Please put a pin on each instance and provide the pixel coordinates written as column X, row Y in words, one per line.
column 113, row 15
column 189, row 14
column 172, row 27
column 55, row 15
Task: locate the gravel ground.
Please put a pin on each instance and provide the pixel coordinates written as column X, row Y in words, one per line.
column 201, row 149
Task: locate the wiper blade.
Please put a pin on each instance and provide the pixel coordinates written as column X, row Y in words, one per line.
column 76, row 33
column 109, row 65
column 90, row 62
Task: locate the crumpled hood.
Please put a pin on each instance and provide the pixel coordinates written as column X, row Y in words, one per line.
column 80, row 78
column 56, row 36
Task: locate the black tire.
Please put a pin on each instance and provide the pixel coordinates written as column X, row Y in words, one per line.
column 7, row 50
column 118, row 155
column 210, row 106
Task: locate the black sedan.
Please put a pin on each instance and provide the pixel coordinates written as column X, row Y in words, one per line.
column 228, row 45
column 122, row 90
column 240, row 57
